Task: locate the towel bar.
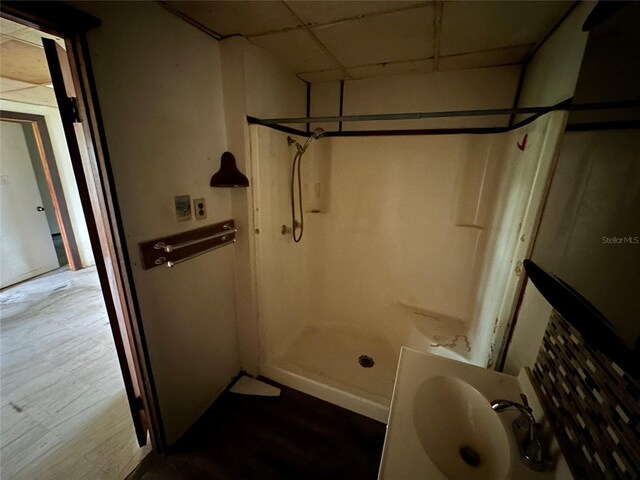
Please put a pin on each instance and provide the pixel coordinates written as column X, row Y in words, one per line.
column 173, row 249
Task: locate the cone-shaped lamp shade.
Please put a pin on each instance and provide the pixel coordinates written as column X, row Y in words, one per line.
column 229, row 176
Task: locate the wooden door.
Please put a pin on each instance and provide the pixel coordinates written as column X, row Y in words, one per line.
column 26, row 247
column 101, row 235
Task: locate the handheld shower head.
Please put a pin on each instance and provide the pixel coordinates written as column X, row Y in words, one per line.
column 318, row 132
column 295, row 169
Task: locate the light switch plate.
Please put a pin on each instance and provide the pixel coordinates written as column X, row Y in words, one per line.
column 200, row 208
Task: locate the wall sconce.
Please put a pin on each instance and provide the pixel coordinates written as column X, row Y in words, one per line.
column 229, row 176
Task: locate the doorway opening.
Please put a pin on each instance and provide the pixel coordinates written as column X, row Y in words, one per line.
column 35, row 205
column 73, row 397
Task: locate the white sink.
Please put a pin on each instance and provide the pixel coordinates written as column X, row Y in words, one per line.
column 461, row 434
column 442, row 427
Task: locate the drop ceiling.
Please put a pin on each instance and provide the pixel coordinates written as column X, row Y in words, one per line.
column 24, row 75
column 341, row 40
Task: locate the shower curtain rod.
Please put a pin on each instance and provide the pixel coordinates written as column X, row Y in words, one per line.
column 276, row 123
column 564, row 105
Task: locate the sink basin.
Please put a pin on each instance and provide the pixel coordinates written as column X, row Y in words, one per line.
column 462, row 436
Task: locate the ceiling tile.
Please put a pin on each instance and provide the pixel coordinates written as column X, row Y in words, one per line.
column 296, row 49
column 314, row 12
column 240, row 17
column 388, row 69
column 7, row 26
column 23, row 61
column 487, row 58
column 36, row 95
column 35, row 37
column 9, row 85
column 406, row 35
column 475, row 26
column 322, row 76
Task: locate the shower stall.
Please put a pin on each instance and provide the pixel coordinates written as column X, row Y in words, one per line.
column 408, row 240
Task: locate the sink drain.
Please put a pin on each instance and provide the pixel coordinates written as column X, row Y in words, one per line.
column 365, row 361
column 469, row 455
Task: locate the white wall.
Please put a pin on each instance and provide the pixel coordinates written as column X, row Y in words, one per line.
column 595, row 194
column 470, row 89
column 159, row 85
column 551, row 75
column 324, row 101
column 67, row 178
column 271, row 89
column 254, row 84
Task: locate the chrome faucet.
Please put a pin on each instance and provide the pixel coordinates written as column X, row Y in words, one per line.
column 532, row 449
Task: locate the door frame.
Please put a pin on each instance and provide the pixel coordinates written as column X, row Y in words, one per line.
column 113, row 262
column 38, row 126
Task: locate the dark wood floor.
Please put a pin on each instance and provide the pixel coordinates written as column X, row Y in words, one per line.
column 293, row 436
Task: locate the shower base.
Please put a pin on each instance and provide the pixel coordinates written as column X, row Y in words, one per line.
column 324, row 361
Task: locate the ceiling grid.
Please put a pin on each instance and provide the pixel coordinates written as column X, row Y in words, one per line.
column 24, row 75
column 342, row 40
column 437, row 29
column 333, row 40
column 319, row 43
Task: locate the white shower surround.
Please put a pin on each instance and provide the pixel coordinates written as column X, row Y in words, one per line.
column 412, row 241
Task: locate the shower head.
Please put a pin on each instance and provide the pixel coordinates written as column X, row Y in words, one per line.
column 317, row 133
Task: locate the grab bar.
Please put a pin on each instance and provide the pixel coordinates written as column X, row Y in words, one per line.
column 172, row 263
column 171, row 248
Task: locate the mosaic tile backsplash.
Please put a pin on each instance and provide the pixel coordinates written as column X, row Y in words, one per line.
column 593, row 404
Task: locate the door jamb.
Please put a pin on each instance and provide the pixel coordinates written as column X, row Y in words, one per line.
column 95, row 136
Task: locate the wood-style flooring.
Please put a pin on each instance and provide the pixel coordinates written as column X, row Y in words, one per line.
column 64, row 412
column 293, row 436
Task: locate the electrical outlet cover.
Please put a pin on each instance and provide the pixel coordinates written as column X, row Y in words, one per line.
column 200, row 208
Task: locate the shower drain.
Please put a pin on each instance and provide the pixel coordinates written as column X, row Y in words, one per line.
column 469, row 455
column 365, row 361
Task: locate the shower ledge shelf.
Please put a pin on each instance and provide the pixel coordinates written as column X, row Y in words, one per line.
column 442, row 330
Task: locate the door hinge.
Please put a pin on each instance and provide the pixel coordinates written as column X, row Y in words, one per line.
column 75, row 112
